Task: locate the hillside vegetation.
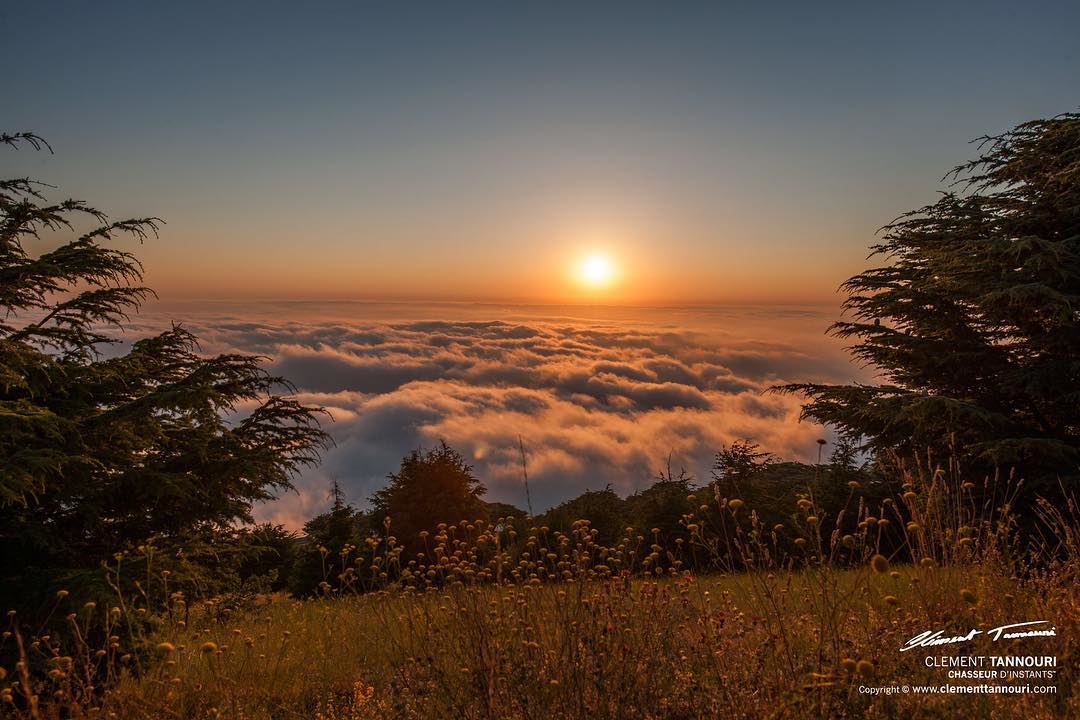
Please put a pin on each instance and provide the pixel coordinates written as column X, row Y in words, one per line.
column 507, row 620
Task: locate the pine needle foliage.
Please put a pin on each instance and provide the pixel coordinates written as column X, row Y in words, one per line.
column 972, row 321
column 100, row 450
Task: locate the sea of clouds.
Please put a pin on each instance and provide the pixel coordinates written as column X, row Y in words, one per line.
column 598, row 396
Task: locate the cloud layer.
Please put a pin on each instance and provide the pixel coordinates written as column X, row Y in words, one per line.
column 596, row 400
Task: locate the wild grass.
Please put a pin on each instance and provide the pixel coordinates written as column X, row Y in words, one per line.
column 506, row 620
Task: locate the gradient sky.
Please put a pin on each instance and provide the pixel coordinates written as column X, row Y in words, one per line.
column 478, row 150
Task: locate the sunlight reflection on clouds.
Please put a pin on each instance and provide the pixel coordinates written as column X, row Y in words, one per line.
column 600, row 396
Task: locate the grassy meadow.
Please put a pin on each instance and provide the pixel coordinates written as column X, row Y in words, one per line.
column 506, row 620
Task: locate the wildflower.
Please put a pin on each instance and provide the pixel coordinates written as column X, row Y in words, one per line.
column 891, row 600
column 864, row 668
column 735, row 503
column 208, row 647
column 910, row 496
column 853, row 484
column 927, row 562
column 848, row 665
column 811, row 520
column 880, row 564
column 61, row 594
column 166, row 648
column 969, row 596
column 913, row 527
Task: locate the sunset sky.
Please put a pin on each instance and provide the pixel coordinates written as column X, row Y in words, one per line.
column 607, row 230
column 482, row 151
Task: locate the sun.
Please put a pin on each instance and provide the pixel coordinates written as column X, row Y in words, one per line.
column 596, row 271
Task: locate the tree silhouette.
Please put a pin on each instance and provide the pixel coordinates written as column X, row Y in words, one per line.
column 431, row 487
column 329, row 543
column 736, row 464
column 97, row 453
column 973, row 323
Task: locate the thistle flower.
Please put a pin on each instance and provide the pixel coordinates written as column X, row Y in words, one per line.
column 735, row 503
column 880, row 564
column 208, row 647
column 865, row 668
